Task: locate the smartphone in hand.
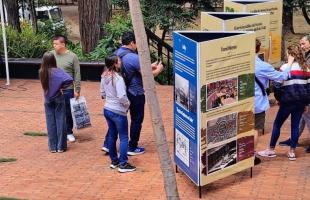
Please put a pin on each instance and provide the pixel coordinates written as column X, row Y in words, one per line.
column 158, row 61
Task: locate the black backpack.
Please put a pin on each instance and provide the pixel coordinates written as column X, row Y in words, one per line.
column 124, row 72
column 277, row 90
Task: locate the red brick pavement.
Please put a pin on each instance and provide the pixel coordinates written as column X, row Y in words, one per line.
column 83, row 171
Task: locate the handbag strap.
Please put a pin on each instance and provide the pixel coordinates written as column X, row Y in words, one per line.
column 261, row 86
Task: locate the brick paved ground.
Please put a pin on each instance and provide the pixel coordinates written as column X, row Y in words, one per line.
column 83, row 173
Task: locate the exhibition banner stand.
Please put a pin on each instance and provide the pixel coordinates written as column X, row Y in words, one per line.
column 274, row 7
column 213, row 103
column 257, row 22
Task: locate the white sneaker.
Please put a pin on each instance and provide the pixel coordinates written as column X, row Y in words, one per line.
column 105, row 149
column 291, row 156
column 71, row 138
column 267, row 153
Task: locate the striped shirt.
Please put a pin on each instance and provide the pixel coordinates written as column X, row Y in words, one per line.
column 296, row 86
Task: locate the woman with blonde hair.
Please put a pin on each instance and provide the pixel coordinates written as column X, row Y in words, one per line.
column 294, row 98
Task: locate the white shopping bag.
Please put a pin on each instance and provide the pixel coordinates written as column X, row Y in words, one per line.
column 80, row 115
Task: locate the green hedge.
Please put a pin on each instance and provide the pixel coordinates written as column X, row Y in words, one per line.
column 26, row 44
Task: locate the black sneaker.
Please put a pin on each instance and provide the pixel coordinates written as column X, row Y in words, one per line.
column 257, row 160
column 285, row 142
column 114, row 164
column 126, row 168
column 308, row 149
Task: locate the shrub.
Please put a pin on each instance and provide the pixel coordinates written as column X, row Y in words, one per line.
column 50, row 29
column 26, row 44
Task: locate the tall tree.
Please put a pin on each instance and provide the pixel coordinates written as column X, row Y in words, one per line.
column 287, row 19
column 149, row 86
column 33, row 15
column 12, row 13
column 92, row 15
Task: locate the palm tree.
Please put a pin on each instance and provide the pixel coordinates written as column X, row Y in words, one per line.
column 149, row 86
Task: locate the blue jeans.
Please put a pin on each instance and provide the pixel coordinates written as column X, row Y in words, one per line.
column 295, row 110
column 136, row 110
column 55, row 111
column 118, row 125
column 68, row 93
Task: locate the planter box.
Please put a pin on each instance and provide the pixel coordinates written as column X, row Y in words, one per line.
column 28, row 69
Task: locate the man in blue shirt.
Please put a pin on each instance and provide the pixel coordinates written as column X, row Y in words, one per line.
column 263, row 73
column 135, row 91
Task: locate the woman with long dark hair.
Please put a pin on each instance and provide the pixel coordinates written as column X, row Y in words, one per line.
column 113, row 89
column 53, row 79
column 294, row 98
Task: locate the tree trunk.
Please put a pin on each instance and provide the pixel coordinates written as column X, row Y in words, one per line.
column 92, row 15
column 287, row 20
column 306, row 13
column 149, row 86
column 33, row 15
column 12, row 12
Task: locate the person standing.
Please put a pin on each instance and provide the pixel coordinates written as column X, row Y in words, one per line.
column 69, row 62
column 113, row 89
column 304, row 43
column 263, row 73
column 293, row 100
column 135, row 91
column 53, row 80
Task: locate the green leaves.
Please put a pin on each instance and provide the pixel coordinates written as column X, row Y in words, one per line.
column 50, row 28
column 110, row 42
column 165, row 14
column 26, row 44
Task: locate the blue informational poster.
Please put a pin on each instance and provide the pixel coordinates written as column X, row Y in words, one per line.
column 185, row 106
column 213, row 103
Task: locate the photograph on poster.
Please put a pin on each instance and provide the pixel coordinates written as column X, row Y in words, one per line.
column 192, row 98
column 221, row 93
column 222, row 128
column 182, row 91
column 182, row 147
column 222, row 156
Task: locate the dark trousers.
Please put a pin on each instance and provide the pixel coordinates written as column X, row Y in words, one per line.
column 295, row 110
column 68, row 94
column 136, row 110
